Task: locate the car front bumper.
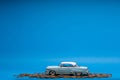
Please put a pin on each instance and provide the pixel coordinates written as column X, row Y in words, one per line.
column 47, row 72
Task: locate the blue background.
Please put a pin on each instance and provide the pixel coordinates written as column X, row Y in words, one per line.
column 35, row 34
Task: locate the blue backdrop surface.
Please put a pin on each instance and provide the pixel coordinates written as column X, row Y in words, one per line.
column 35, row 34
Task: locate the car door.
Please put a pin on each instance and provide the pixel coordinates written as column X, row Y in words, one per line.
column 64, row 69
column 71, row 69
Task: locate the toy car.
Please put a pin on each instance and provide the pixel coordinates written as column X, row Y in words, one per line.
column 70, row 68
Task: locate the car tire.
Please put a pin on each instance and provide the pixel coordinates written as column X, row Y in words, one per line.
column 86, row 74
column 52, row 73
column 78, row 74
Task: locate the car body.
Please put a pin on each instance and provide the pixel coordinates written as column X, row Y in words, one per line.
column 67, row 68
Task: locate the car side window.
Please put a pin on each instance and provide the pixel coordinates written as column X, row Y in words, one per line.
column 66, row 65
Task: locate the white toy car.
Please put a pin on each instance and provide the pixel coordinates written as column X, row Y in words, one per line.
column 67, row 68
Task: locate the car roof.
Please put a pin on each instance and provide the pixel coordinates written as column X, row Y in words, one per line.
column 73, row 63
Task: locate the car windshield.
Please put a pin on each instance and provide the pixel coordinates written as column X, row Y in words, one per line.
column 76, row 66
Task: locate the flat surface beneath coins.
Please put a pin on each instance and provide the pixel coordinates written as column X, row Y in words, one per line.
column 95, row 75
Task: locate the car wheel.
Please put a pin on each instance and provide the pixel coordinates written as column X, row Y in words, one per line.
column 78, row 74
column 86, row 74
column 52, row 73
